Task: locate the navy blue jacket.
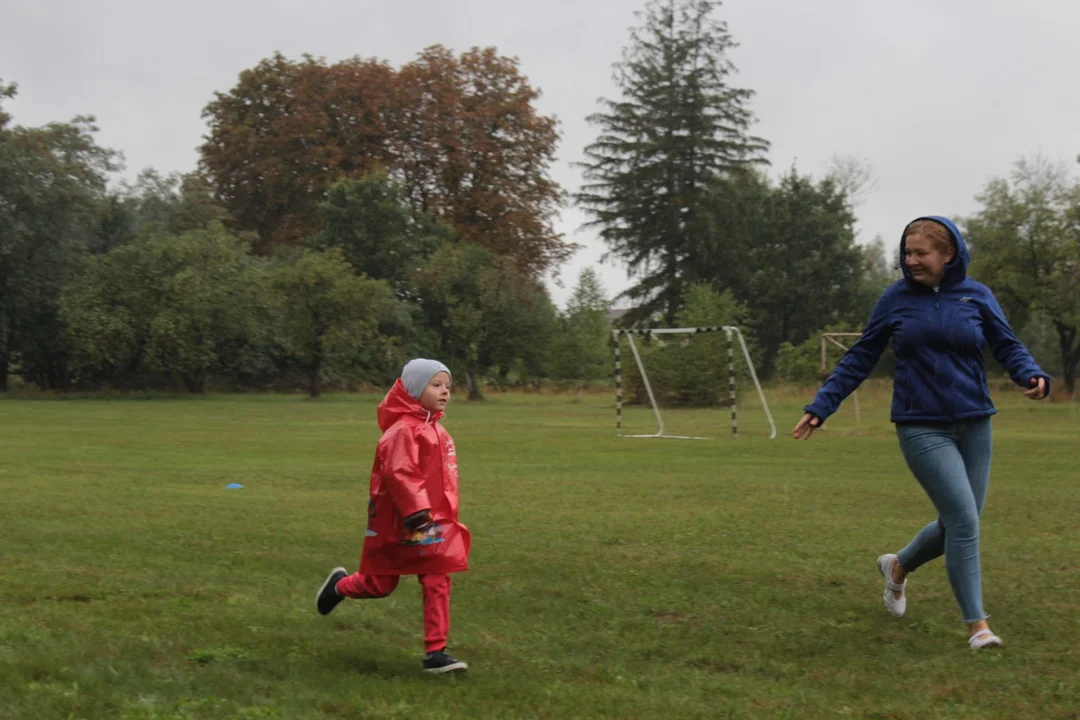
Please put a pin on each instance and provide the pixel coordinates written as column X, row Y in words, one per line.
column 938, row 337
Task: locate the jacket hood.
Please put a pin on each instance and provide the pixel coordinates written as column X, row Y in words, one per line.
column 956, row 270
column 398, row 403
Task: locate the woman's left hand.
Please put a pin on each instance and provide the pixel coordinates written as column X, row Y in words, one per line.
column 1038, row 389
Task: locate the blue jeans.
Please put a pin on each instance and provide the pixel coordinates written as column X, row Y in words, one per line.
column 952, row 463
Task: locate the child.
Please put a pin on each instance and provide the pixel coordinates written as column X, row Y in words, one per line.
column 413, row 526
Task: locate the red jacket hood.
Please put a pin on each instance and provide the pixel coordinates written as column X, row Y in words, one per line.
column 398, row 404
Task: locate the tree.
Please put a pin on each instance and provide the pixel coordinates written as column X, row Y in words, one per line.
column 214, row 307
column 52, row 184
column 486, row 313
column 368, row 219
column 286, row 132
column 734, row 212
column 108, row 311
column 327, row 309
column 459, row 133
column 175, row 204
column 449, row 286
column 154, row 204
column 470, row 149
column 520, row 323
column 7, row 92
column 582, row 351
column 1026, row 245
column 679, row 129
column 185, row 306
column 880, row 268
column 807, row 270
column 853, row 176
column 116, row 224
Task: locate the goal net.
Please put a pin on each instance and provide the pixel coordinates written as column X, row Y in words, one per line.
column 687, row 383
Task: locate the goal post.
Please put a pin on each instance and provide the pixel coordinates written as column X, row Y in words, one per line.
column 732, row 334
column 830, row 338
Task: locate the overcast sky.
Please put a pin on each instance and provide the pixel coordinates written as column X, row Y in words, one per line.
column 936, row 95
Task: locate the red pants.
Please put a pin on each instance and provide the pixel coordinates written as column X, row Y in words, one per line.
column 436, row 600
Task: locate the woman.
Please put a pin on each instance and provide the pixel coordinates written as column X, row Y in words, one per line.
column 939, row 321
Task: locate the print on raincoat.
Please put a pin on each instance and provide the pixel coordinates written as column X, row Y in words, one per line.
column 415, row 468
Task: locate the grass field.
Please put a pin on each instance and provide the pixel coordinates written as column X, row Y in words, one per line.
column 610, row 578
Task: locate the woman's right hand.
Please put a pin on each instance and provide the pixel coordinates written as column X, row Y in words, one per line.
column 806, row 426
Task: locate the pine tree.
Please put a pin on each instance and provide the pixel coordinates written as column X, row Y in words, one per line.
column 678, row 130
column 582, row 347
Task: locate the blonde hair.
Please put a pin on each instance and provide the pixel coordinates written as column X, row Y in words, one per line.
column 935, row 232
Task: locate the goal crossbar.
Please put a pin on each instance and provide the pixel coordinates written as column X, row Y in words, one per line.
column 730, row 330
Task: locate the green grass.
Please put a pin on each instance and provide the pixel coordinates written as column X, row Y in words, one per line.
column 611, row 578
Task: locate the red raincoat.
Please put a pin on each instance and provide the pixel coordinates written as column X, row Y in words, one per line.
column 415, row 469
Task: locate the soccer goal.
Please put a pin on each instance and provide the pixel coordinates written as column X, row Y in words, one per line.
column 832, row 338
column 683, row 377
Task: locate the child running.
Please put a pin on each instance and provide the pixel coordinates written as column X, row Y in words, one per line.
column 413, row 526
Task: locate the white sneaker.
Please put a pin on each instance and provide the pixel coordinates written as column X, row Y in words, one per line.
column 896, row 607
column 984, row 639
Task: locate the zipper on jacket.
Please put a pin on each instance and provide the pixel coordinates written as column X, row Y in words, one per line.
column 937, row 310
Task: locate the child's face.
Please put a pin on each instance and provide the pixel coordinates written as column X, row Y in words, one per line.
column 437, row 393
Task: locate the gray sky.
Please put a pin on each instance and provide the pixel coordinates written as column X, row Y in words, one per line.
column 936, row 95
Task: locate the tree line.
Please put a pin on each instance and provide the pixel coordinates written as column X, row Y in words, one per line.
column 346, row 216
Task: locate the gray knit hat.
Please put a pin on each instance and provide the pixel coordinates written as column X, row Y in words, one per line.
column 417, row 373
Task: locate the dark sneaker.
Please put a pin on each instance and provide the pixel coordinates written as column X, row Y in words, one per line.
column 440, row 662
column 328, row 598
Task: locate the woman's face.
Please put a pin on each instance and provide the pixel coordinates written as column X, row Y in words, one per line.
column 924, row 260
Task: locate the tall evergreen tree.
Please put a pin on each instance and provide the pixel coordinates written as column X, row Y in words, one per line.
column 807, row 270
column 582, row 348
column 678, row 130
